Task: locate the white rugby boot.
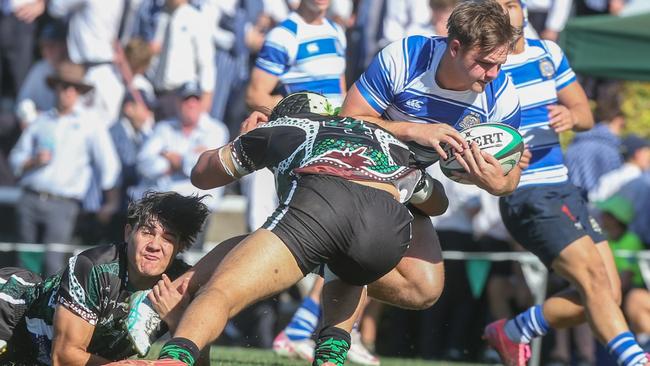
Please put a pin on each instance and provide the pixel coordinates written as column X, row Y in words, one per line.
column 358, row 353
column 302, row 349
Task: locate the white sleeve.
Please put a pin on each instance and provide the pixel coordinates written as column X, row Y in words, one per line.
column 105, row 156
column 63, row 8
column 204, row 50
column 150, row 164
column 22, row 151
column 558, row 15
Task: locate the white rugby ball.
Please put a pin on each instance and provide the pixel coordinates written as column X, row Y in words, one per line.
column 502, row 141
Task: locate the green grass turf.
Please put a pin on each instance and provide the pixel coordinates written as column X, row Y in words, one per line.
column 231, row 356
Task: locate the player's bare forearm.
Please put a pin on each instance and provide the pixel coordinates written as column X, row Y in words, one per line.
column 211, row 170
column 584, row 120
column 573, row 97
column 72, row 336
column 73, row 356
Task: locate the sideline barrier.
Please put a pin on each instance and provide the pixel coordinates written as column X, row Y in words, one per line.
column 535, row 273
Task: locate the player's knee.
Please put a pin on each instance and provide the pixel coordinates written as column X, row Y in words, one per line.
column 426, row 291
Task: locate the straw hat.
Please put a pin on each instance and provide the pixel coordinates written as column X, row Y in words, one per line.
column 69, row 73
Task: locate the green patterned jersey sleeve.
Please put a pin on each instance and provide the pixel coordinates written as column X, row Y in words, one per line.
column 80, row 288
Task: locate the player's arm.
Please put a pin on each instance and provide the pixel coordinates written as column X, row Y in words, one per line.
column 485, row 171
column 215, row 168
column 260, row 87
column 572, row 112
column 430, row 135
column 72, row 335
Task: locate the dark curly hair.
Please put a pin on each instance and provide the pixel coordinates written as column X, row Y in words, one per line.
column 183, row 216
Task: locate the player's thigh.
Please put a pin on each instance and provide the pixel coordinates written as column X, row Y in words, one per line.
column 422, row 262
column 546, row 220
column 260, row 266
column 421, row 267
column 582, row 265
column 201, row 272
column 610, row 267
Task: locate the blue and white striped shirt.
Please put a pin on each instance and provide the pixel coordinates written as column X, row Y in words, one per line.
column 400, row 84
column 306, row 57
column 539, row 73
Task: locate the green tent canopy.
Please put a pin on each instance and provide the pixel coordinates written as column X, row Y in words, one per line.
column 609, row 46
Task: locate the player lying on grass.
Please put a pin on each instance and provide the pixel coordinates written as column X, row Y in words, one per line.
column 77, row 316
column 342, row 183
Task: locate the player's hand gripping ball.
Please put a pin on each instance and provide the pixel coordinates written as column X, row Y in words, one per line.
column 497, row 139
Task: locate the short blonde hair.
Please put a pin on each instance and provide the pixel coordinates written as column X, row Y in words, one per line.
column 138, row 54
column 483, row 24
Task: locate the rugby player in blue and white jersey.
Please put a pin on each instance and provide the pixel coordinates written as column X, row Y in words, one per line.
column 548, row 215
column 306, row 52
column 423, row 90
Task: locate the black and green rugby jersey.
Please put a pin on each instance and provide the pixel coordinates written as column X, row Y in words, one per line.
column 94, row 286
column 313, row 144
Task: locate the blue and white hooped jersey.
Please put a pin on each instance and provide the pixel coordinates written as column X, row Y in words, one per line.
column 539, row 73
column 306, row 57
column 400, row 84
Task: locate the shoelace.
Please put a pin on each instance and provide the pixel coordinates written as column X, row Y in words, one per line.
column 331, row 350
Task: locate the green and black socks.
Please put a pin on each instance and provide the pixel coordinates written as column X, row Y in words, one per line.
column 181, row 349
column 332, row 346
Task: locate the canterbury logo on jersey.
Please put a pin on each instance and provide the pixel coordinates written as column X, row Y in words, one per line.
column 415, row 104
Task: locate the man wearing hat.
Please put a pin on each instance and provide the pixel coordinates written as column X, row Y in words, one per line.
column 167, row 157
column 54, row 159
column 636, row 156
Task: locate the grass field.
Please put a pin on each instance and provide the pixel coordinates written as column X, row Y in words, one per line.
column 229, row 356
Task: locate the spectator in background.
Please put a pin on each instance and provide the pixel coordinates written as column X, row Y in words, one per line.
column 305, row 52
column 238, row 34
column 54, row 159
column 34, row 96
column 403, row 19
column 599, row 7
column 167, row 157
column 17, row 29
column 617, row 212
column 441, row 11
column 548, row 17
column 138, row 56
column 636, row 154
column 92, row 32
column 186, row 55
column 601, row 144
column 129, row 135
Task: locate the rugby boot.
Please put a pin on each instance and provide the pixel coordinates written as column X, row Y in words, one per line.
column 302, row 349
column 511, row 353
column 143, row 322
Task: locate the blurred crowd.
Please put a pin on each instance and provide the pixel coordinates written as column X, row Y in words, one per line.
column 104, row 100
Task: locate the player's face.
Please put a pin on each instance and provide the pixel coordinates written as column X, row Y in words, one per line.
column 150, row 249
column 317, row 5
column 480, row 68
column 190, row 111
column 516, row 13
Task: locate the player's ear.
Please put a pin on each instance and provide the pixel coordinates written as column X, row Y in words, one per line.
column 454, row 47
column 127, row 231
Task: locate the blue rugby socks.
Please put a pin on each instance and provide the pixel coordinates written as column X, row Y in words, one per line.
column 304, row 321
column 626, row 350
column 527, row 325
